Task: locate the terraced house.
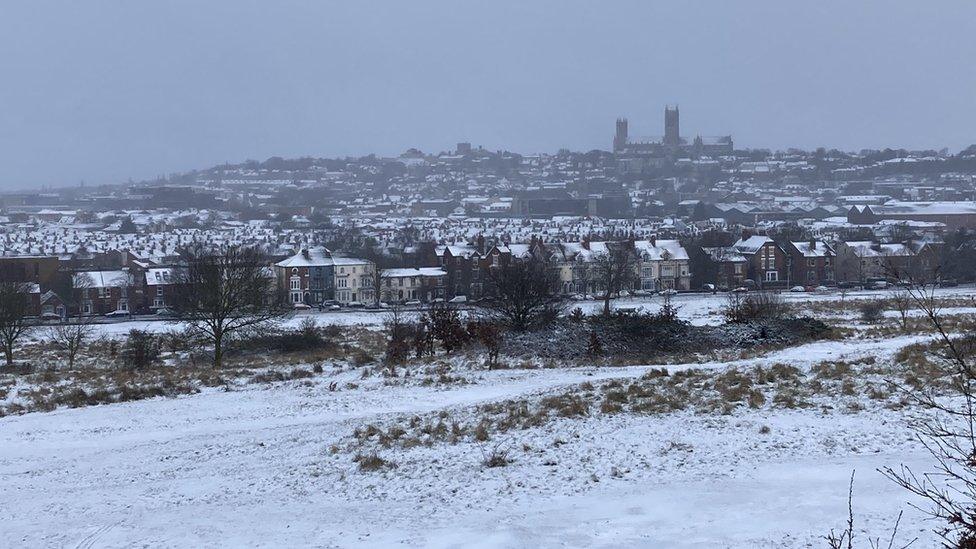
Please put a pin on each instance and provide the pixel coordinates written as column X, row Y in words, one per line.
column 314, row 275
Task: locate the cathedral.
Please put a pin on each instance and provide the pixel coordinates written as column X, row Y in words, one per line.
column 671, row 144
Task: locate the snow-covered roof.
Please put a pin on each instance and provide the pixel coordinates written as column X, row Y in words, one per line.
column 752, row 244
column 410, row 272
column 817, row 248
column 159, row 276
column 660, row 249
column 100, row 279
column 310, row 257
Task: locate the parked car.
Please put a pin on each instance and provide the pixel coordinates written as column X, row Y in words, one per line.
column 459, row 299
column 876, row 284
column 798, row 289
column 821, row 289
column 412, row 303
column 355, row 304
column 118, row 314
column 708, row 287
column 334, row 307
column 948, row 282
column 669, row 291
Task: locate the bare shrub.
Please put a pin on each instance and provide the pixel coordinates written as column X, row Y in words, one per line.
column 141, row 349
column 373, row 462
column 497, row 458
column 871, row 311
column 308, row 336
column 754, row 307
column 398, row 336
column 446, row 326
column 69, row 338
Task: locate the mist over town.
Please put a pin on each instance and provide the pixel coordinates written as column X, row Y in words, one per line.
column 656, row 332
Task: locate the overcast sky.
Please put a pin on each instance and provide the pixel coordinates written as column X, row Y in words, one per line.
column 102, row 91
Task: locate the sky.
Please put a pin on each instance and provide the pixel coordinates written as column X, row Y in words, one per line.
column 102, row 91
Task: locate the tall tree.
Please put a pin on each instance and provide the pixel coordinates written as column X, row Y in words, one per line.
column 14, row 310
column 522, row 293
column 222, row 294
column 614, row 271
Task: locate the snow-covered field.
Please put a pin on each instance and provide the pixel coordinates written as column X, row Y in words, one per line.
column 267, row 465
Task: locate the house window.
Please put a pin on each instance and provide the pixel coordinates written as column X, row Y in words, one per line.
column 772, row 276
column 296, row 283
column 811, row 263
column 159, row 291
column 123, row 305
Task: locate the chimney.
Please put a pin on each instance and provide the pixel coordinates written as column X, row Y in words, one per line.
column 305, row 253
column 480, row 244
column 813, row 245
column 654, row 241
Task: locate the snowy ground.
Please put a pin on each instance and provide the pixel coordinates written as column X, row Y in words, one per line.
column 697, row 308
column 257, row 467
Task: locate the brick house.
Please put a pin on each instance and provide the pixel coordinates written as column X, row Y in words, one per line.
column 767, row 260
column 812, row 263
column 159, row 288
column 308, row 277
column 730, row 267
column 103, row 292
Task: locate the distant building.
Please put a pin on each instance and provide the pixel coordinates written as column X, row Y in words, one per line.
column 671, row 144
column 954, row 215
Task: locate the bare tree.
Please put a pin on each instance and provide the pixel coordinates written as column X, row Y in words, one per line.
column 521, row 293
column 583, row 275
column 949, row 433
column 70, row 337
column 220, row 294
column 398, row 334
column 614, row 271
column 14, row 310
column 903, row 303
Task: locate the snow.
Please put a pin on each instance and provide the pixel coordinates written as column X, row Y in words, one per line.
column 252, row 467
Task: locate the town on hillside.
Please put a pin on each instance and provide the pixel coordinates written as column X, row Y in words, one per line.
column 693, row 214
